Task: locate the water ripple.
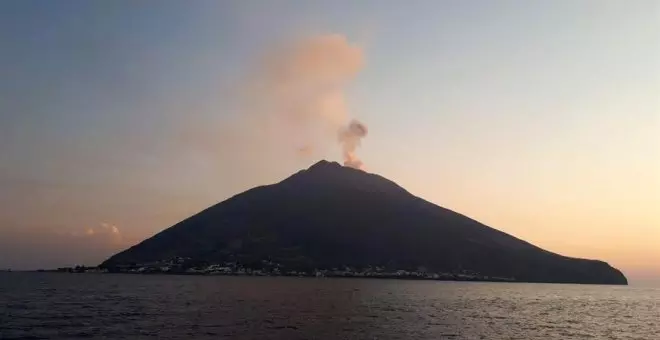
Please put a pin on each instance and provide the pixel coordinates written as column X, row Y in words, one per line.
column 67, row 306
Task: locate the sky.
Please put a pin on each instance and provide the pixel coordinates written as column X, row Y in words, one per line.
column 539, row 118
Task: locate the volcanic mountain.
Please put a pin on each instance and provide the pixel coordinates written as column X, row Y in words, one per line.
column 331, row 216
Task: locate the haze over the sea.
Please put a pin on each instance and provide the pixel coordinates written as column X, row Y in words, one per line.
column 541, row 119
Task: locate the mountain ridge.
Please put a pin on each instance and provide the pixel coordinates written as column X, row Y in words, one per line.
column 330, row 216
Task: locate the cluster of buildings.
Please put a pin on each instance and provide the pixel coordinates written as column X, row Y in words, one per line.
column 76, row 269
column 181, row 265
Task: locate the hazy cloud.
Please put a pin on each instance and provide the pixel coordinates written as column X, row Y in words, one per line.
column 103, row 233
column 292, row 105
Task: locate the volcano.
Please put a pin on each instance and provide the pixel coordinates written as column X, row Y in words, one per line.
column 332, row 216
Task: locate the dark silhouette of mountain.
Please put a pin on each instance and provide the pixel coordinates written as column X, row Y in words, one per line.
column 330, row 216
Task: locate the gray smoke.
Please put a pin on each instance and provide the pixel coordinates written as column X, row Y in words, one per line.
column 293, row 103
column 303, row 93
column 350, row 138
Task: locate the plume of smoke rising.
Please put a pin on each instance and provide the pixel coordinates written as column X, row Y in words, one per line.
column 303, row 88
column 350, row 138
column 292, row 105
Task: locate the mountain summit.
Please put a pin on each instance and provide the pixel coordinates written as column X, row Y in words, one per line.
column 331, row 216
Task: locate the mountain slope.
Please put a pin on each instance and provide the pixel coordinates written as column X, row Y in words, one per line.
column 332, row 216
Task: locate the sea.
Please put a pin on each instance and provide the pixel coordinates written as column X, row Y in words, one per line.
column 124, row 306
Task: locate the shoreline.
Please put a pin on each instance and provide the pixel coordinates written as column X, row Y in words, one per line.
column 391, row 277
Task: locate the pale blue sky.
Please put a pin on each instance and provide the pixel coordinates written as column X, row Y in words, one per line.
column 540, row 118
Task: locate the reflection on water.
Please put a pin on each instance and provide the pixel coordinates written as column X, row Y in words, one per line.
column 106, row 306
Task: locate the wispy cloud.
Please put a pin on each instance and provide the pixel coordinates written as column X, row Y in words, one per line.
column 49, row 247
column 104, row 232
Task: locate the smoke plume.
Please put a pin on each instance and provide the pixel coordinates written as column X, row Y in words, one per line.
column 350, row 137
column 302, row 89
column 290, row 106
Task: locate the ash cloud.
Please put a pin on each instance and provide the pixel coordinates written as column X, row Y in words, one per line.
column 350, row 138
column 302, row 88
column 291, row 105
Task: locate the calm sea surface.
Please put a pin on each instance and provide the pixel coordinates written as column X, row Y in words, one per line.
column 107, row 306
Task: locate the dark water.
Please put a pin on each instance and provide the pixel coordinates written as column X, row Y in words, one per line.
column 105, row 306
